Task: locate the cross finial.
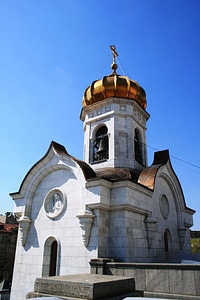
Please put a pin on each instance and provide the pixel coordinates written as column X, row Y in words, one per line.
column 115, row 54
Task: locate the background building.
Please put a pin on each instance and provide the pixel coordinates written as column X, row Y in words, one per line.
column 8, row 239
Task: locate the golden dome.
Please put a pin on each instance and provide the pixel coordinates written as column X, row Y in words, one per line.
column 114, row 85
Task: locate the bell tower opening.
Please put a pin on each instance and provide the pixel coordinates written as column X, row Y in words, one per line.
column 138, row 147
column 100, row 149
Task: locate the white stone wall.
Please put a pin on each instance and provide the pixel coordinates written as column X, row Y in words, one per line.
column 73, row 256
column 121, row 212
column 121, row 117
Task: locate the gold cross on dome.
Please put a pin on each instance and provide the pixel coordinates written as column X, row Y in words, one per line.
column 114, row 53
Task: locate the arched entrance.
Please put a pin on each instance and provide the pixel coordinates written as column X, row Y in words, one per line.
column 166, row 246
column 167, row 240
column 53, row 258
column 49, row 267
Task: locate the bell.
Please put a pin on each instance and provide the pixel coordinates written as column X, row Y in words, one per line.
column 102, row 146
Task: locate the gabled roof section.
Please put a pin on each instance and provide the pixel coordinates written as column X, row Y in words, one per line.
column 59, row 149
column 118, row 174
column 87, row 170
column 148, row 175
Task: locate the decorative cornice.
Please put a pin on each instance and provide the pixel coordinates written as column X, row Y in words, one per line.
column 127, row 207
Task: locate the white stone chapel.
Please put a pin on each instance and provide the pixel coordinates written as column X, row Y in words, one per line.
column 111, row 204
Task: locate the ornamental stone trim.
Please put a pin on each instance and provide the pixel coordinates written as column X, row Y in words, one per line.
column 86, row 219
column 164, row 206
column 24, row 226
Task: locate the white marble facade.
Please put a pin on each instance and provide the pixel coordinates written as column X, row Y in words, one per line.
column 55, row 175
column 71, row 211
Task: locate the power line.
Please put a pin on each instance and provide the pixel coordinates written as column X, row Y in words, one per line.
column 104, row 66
column 184, row 161
column 123, row 70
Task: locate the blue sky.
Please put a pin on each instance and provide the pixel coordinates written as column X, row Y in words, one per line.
column 50, row 51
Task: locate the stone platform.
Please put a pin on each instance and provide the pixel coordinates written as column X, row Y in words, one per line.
column 84, row 286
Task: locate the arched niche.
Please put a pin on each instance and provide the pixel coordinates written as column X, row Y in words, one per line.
column 167, row 240
column 100, row 144
column 51, row 252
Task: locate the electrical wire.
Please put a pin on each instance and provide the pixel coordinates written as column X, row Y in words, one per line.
column 122, row 68
column 179, row 159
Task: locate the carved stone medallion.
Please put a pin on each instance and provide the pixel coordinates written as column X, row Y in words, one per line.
column 55, row 203
column 164, row 206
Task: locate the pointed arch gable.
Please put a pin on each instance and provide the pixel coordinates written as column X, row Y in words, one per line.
column 162, row 168
column 39, row 178
column 179, row 187
column 184, row 214
column 148, row 175
column 177, row 193
column 167, row 174
column 55, row 151
column 56, row 158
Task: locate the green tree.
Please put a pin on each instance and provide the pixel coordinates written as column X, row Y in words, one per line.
column 195, row 244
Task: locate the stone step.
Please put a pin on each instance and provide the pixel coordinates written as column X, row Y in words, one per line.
column 85, row 286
